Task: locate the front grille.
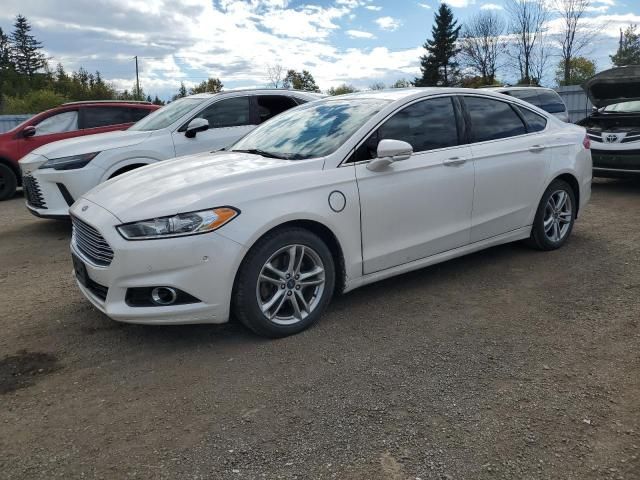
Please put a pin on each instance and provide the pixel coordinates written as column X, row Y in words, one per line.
column 631, row 137
column 91, row 243
column 616, row 159
column 32, row 192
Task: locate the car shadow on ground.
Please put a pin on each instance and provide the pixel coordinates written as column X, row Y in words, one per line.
column 616, row 185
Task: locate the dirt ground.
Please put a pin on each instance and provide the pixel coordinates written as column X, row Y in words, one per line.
column 506, row 364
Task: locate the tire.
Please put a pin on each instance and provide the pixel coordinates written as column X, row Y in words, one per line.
column 258, row 285
column 8, row 182
column 551, row 236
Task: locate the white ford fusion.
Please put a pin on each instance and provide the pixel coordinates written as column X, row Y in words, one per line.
column 325, row 198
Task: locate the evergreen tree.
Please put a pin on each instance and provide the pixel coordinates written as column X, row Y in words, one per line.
column 6, row 65
column 629, row 49
column 27, row 57
column 439, row 66
column 182, row 92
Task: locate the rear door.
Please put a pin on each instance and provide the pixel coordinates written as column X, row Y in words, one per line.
column 58, row 126
column 511, row 163
column 229, row 120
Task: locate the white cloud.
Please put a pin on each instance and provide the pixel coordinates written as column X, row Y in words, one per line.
column 388, row 23
column 373, row 8
column 359, row 34
column 424, row 5
column 459, row 3
column 491, row 6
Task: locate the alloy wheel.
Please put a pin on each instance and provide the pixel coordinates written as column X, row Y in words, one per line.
column 290, row 284
column 558, row 215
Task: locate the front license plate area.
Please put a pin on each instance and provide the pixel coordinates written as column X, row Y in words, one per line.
column 80, row 270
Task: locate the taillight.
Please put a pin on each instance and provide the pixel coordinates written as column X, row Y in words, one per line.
column 586, row 143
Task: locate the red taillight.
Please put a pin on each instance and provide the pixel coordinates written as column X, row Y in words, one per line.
column 586, row 143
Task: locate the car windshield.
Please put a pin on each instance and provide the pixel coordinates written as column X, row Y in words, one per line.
column 312, row 131
column 165, row 116
column 624, row 107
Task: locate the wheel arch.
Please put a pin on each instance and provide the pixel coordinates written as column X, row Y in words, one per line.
column 14, row 168
column 321, row 230
column 573, row 183
column 126, row 165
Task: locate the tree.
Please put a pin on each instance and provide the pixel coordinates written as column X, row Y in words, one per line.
column 212, row 85
column 182, row 92
column 629, row 49
column 27, row 57
column 438, row 65
column 157, row 101
column 580, row 70
column 275, row 74
column 527, row 23
column 377, row 86
column 574, row 36
column 300, row 81
column 402, row 83
column 342, row 89
column 481, row 44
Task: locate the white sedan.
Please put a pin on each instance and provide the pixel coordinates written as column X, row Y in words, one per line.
column 325, row 198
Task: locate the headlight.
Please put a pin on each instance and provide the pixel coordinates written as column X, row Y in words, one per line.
column 180, row 225
column 69, row 163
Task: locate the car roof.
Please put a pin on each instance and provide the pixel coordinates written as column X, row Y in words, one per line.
column 109, row 102
column 510, row 89
column 264, row 91
column 395, row 94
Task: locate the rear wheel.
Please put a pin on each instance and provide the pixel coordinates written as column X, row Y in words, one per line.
column 285, row 283
column 554, row 218
column 8, row 182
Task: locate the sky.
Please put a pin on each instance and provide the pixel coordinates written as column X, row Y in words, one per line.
column 358, row 42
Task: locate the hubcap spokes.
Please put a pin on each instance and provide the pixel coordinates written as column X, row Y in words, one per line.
column 290, row 284
column 557, row 216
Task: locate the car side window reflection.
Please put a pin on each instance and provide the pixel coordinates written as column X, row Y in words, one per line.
column 426, row 125
column 60, row 123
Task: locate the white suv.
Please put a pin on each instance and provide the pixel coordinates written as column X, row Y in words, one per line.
column 58, row 173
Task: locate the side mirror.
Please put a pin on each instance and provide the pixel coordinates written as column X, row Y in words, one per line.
column 196, row 125
column 29, row 131
column 390, row 151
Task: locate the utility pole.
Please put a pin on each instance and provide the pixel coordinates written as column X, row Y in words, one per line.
column 137, row 80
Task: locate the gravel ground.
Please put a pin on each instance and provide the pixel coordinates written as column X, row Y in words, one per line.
column 508, row 363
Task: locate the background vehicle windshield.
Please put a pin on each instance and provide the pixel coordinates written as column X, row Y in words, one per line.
column 310, row 132
column 165, row 116
column 624, row 107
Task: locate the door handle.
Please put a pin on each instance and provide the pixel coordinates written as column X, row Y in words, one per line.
column 454, row 162
column 536, row 148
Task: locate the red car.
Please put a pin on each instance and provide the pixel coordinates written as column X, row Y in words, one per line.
column 66, row 121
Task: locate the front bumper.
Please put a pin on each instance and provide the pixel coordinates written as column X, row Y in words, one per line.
column 615, row 163
column 49, row 193
column 203, row 266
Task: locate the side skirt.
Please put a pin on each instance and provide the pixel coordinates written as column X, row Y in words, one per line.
column 513, row 236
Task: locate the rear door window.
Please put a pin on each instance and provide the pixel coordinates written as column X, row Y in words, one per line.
column 269, row 106
column 530, row 96
column 95, row 117
column 138, row 113
column 551, row 102
column 492, row 119
column 231, row 112
column 427, row 125
column 59, row 123
column 535, row 122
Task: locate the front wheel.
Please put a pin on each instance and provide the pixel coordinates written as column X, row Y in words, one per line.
column 8, row 182
column 285, row 283
column 554, row 218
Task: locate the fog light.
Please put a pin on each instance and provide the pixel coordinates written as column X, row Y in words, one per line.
column 164, row 295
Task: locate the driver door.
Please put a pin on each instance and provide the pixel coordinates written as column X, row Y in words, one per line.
column 421, row 206
column 229, row 120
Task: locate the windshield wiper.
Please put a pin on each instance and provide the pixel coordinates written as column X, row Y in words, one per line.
column 262, row 153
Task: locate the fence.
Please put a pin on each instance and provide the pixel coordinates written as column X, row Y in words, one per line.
column 576, row 101
column 7, row 122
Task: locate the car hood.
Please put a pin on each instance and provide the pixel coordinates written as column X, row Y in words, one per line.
column 196, row 182
column 98, row 142
column 614, row 86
